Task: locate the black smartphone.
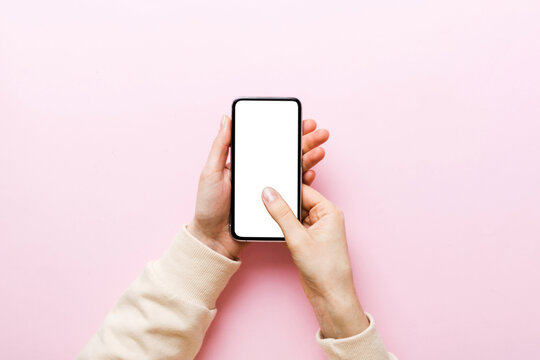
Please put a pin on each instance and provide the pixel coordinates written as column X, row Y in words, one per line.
column 266, row 150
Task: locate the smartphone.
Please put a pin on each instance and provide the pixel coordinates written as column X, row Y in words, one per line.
column 266, row 150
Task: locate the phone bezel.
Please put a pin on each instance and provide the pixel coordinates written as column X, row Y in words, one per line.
column 299, row 176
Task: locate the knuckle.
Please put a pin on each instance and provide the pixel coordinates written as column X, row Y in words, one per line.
column 282, row 212
column 207, row 174
column 314, row 214
column 292, row 244
column 306, row 143
column 339, row 213
column 296, row 243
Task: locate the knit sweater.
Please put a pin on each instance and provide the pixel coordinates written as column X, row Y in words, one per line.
column 165, row 312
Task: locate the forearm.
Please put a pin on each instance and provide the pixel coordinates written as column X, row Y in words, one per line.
column 339, row 315
column 168, row 309
column 346, row 331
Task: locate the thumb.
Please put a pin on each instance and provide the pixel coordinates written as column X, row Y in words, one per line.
column 220, row 147
column 283, row 215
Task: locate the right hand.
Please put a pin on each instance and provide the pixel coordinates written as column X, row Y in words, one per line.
column 318, row 247
column 211, row 221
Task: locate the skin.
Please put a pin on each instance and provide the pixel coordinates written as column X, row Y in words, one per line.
column 318, row 244
column 211, row 221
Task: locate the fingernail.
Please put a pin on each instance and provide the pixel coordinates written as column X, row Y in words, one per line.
column 269, row 194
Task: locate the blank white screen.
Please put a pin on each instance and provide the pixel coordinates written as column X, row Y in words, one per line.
column 266, row 154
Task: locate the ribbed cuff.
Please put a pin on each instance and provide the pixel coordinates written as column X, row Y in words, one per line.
column 364, row 346
column 191, row 269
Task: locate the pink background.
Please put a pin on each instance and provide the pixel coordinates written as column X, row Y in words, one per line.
column 107, row 110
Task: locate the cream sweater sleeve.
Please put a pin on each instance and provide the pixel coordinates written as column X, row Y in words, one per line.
column 165, row 313
column 364, row 346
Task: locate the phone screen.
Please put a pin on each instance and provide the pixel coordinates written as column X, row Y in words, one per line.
column 266, row 151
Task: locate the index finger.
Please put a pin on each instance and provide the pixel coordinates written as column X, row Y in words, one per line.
column 311, row 197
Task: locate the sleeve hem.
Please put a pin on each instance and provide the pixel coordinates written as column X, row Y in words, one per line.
column 366, row 345
column 191, row 268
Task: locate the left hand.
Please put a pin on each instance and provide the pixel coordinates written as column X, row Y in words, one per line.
column 211, row 221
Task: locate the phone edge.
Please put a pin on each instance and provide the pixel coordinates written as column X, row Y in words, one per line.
column 235, row 236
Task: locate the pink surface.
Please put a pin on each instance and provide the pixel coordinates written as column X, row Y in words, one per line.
column 107, row 110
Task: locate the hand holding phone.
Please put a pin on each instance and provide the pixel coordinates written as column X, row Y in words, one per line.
column 210, row 223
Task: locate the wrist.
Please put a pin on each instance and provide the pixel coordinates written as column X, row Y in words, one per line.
column 210, row 241
column 201, row 272
column 340, row 315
